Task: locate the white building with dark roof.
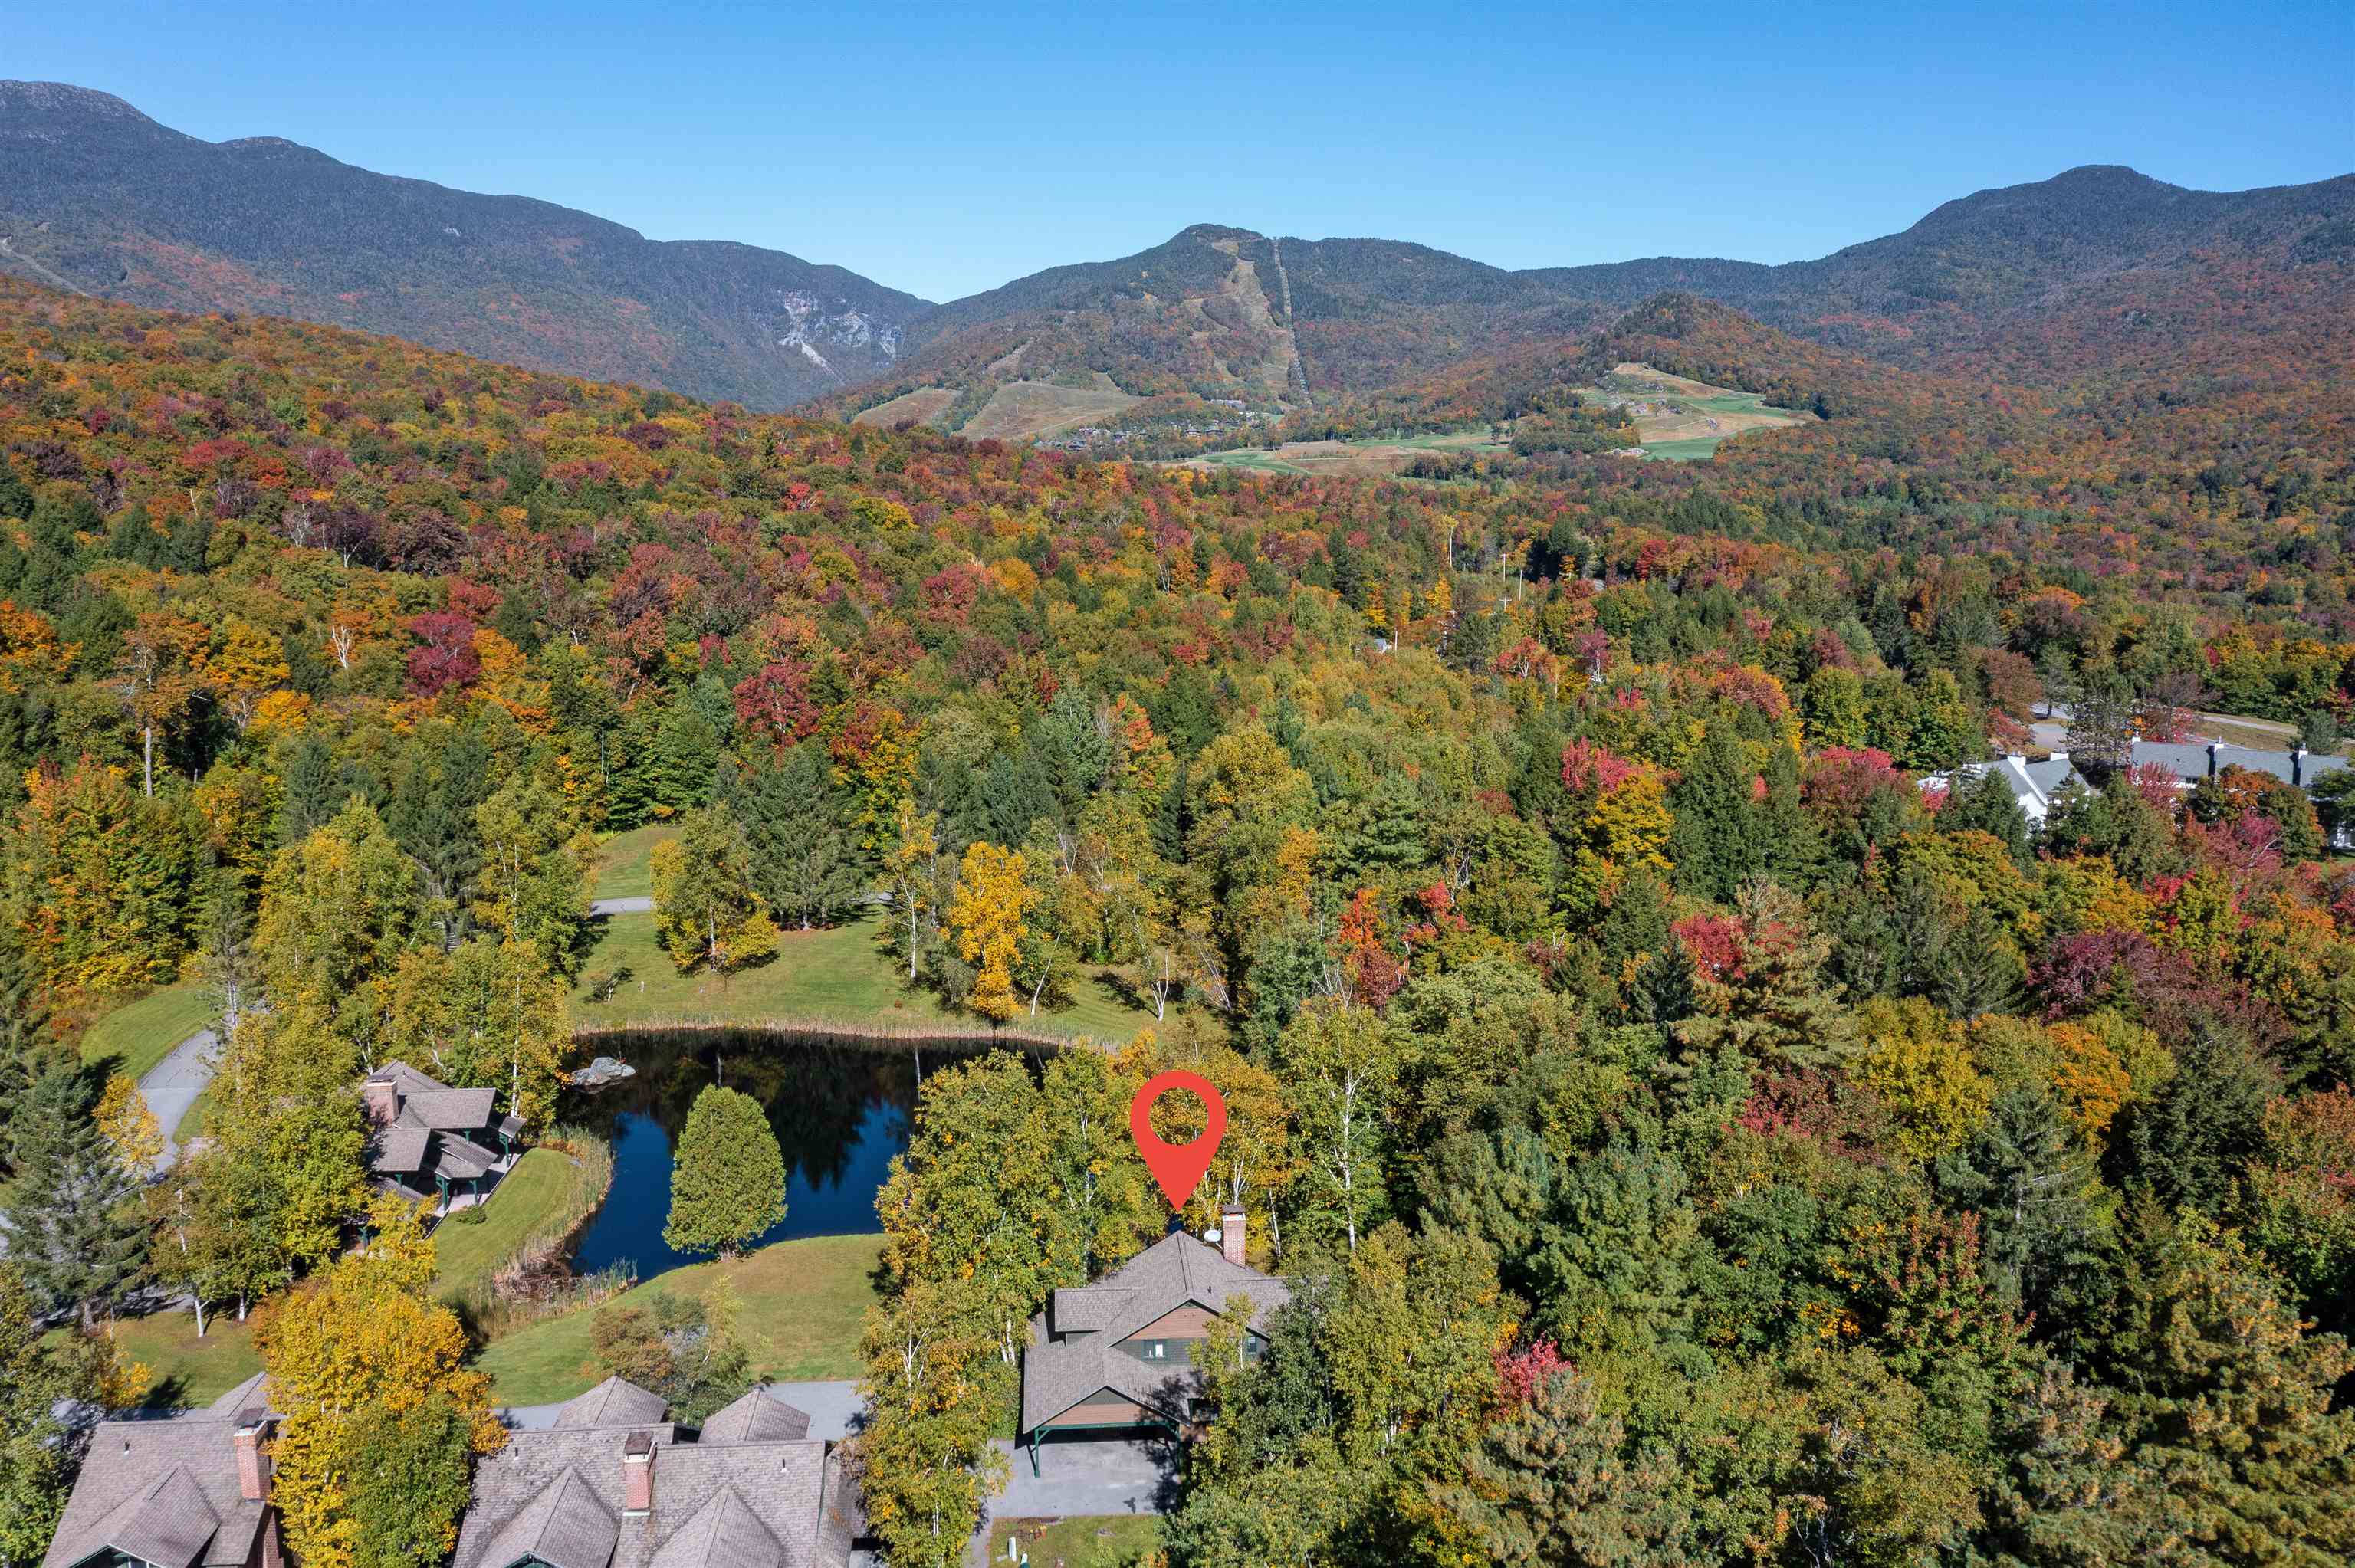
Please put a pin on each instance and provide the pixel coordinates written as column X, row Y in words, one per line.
column 2034, row 785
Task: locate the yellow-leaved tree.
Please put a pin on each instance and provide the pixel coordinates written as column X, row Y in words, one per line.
column 124, row 1116
column 374, row 1458
column 987, row 913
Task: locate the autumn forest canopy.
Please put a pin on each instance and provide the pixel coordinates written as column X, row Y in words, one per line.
column 1694, row 1134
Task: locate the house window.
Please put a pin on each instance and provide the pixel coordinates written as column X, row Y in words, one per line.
column 1153, row 1351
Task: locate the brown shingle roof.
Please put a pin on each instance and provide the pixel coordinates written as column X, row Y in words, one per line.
column 567, row 1525
column 449, row 1110
column 707, row 1500
column 163, row 1491
column 759, row 1416
column 399, row 1151
column 1058, row 1372
column 616, row 1401
column 723, row 1534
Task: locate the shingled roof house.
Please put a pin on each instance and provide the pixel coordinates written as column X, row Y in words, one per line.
column 613, row 1485
column 1111, row 1356
column 190, row 1491
column 427, row 1140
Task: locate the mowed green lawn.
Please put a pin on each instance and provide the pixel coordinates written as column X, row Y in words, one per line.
column 801, row 1306
column 136, row 1036
column 188, row 1370
column 1115, row 1540
column 543, row 1193
column 1684, row 451
column 834, row 977
column 626, row 862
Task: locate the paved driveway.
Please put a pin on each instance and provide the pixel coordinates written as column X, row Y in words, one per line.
column 172, row 1086
column 641, row 904
column 1088, row 1477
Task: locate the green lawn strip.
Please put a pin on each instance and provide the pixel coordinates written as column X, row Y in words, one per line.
column 541, row 1194
column 802, row 1305
column 188, row 1370
column 193, row 1124
column 139, row 1034
column 1684, row 451
column 836, row 977
column 626, row 862
column 1113, row 1541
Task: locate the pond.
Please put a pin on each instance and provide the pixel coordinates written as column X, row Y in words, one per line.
column 840, row 1108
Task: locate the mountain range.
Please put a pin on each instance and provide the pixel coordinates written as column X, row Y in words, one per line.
column 98, row 197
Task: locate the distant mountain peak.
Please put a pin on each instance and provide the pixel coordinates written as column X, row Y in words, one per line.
column 1210, row 233
column 53, row 96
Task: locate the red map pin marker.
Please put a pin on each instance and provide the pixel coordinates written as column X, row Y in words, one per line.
column 1176, row 1166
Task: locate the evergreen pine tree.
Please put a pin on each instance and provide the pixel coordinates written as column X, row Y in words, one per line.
column 2188, row 1142
column 728, row 1179
column 683, row 757
column 431, row 817
column 805, row 862
column 313, row 791
column 74, row 1227
column 2029, row 1176
column 28, row 1048
column 1721, row 838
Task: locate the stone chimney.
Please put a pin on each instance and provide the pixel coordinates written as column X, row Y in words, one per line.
column 253, row 1429
column 380, row 1099
column 2213, row 747
column 1230, row 1234
column 638, row 1474
column 2297, row 766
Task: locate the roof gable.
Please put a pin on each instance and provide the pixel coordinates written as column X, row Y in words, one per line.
column 616, row 1401
column 759, row 1416
column 169, row 1524
column 566, row 1526
column 723, row 1534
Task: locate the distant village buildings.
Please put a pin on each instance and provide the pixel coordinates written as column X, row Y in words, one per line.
column 2036, row 784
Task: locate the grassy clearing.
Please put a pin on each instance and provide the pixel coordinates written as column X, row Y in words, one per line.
column 626, row 863
column 1684, row 451
column 801, row 1306
column 1116, row 1540
column 188, row 1370
column 839, row 977
column 1020, row 410
column 544, row 1196
column 141, row 1033
column 924, row 404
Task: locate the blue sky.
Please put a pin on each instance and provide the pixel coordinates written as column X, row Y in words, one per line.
column 947, row 149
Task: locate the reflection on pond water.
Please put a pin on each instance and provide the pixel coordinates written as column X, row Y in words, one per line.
column 840, row 1108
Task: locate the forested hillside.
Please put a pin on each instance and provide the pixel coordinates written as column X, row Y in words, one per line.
column 100, row 199
column 105, row 201
column 1692, row 1140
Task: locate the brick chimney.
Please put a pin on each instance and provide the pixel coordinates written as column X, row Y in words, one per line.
column 1230, row 1234
column 638, row 1474
column 380, row 1099
column 253, row 1430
